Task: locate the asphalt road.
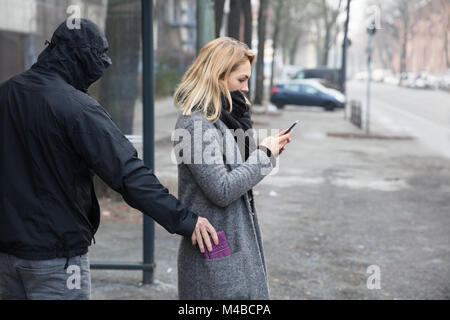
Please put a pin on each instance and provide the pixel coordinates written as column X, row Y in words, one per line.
column 424, row 114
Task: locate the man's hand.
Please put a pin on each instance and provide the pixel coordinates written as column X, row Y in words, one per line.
column 201, row 234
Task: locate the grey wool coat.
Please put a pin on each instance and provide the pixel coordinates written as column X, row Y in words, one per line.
column 213, row 182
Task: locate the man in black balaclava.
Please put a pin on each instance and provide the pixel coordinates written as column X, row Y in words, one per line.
column 53, row 138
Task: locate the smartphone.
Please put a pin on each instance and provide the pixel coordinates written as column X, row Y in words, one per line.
column 291, row 127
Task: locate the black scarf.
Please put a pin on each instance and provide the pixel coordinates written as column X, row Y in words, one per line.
column 239, row 118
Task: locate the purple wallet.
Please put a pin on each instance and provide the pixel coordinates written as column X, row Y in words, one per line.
column 220, row 251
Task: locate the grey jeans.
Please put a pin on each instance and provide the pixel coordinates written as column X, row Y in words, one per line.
column 44, row 279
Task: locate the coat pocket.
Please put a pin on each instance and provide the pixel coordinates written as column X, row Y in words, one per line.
column 224, row 278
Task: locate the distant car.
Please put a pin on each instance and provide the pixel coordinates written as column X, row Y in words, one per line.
column 360, row 76
column 327, row 84
column 426, row 81
column 421, row 80
column 444, row 82
column 378, row 75
column 407, row 79
column 331, row 75
column 392, row 78
column 307, row 92
column 288, row 72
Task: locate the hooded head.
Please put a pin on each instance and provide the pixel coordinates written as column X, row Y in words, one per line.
column 78, row 55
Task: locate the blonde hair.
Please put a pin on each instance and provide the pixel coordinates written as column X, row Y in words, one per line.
column 206, row 80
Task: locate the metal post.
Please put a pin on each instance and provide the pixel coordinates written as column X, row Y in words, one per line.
column 345, row 45
column 205, row 23
column 369, row 79
column 149, row 158
column 149, row 132
column 371, row 31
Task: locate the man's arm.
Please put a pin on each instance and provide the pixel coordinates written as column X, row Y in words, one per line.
column 113, row 158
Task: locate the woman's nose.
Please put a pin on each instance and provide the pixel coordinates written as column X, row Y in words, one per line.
column 244, row 89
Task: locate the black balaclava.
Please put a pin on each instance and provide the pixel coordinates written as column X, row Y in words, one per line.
column 78, row 55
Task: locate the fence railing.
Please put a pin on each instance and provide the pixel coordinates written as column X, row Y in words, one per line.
column 356, row 113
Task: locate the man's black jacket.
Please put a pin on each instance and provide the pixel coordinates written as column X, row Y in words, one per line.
column 53, row 138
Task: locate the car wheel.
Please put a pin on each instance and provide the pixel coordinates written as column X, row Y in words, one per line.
column 329, row 106
column 280, row 106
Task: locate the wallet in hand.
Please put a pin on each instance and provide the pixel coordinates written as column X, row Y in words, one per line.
column 220, row 251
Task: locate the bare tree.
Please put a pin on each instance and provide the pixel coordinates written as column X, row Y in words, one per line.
column 286, row 27
column 218, row 13
column 383, row 46
column 385, row 38
column 446, row 15
column 119, row 86
column 399, row 20
column 248, row 21
column 262, row 19
column 329, row 15
column 343, row 73
column 234, row 19
column 278, row 6
column 239, row 19
column 404, row 13
column 293, row 26
column 317, row 18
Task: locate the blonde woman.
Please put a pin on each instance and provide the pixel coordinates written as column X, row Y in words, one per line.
column 216, row 174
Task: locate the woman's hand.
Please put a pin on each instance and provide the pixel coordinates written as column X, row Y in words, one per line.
column 277, row 143
column 201, row 234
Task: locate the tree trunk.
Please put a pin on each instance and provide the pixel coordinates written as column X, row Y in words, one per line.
column 285, row 40
column 343, row 73
column 326, row 47
column 218, row 13
column 447, row 55
column 234, row 19
column 330, row 16
column 445, row 4
column 293, row 50
column 276, row 32
column 404, row 49
column 262, row 20
column 403, row 58
column 248, row 20
column 318, row 42
column 405, row 16
column 323, row 61
column 119, row 87
column 205, row 23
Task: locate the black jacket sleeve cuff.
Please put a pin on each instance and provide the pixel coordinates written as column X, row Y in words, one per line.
column 187, row 225
column 269, row 154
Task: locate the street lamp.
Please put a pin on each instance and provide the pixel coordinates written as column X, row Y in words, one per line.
column 371, row 30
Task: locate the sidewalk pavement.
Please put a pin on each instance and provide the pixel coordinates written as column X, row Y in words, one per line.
column 335, row 207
